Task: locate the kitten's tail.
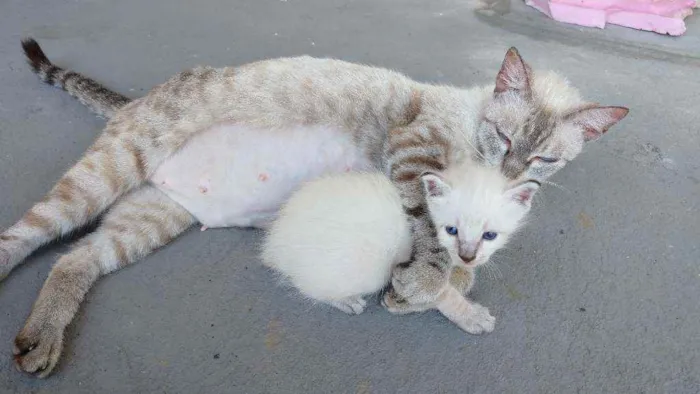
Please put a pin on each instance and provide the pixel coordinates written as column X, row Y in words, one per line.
column 92, row 94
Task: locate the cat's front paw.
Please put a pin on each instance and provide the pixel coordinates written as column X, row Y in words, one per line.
column 478, row 321
column 38, row 348
column 418, row 282
column 393, row 303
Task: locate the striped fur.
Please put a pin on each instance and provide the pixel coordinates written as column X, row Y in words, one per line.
column 139, row 223
column 92, row 94
column 467, row 315
column 404, row 127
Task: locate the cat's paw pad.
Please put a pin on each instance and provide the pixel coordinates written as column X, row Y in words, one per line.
column 478, row 321
column 37, row 351
column 350, row 305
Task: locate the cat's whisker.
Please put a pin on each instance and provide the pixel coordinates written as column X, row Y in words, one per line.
column 556, row 185
column 475, row 150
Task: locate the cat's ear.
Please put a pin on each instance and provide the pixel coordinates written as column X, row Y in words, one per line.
column 595, row 120
column 523, row 193
column 514, row 74
column 434, row 185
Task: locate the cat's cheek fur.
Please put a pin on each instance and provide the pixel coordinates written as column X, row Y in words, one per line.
column 490, row 147
column 488, row 248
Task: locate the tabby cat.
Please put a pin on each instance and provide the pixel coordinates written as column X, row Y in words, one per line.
column 249, row 135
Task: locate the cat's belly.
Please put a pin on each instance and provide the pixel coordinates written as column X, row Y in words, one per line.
column 232, row 175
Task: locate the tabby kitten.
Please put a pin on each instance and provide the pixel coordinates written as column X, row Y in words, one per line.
column 337, row 238
column 366, row 116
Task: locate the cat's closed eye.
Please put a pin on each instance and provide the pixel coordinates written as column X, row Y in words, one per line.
column 547, row 159
column 505, row 139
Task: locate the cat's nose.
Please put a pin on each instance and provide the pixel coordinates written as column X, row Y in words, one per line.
column 467, row 257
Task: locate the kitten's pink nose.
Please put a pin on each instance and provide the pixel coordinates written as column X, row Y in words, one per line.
column 467, row 258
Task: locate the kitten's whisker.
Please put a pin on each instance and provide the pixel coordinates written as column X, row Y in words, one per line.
column 497, row 270
column 556, row 185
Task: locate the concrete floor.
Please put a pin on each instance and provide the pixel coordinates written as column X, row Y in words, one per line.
column 599, row 295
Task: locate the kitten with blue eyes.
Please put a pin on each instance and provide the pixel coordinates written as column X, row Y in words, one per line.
column 338, row 238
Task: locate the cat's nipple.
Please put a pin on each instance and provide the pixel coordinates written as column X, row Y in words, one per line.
column 204, row 186
column 263, row 177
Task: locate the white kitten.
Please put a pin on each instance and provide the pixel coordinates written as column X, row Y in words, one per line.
column 338, row 238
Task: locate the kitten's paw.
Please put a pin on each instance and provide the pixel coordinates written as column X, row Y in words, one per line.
column 398, row 306
column 38, row 348
column 350, row 305
column 477, row 321
column 418, row 282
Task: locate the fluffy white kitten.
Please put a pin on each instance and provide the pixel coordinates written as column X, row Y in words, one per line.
column 338, row 238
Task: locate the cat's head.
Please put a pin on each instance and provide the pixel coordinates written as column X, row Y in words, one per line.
column 475, row 212
column 535, row 122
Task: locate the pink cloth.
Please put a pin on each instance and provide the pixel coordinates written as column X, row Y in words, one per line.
column 661, row 16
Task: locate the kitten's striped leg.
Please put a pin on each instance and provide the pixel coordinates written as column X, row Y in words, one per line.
column 136, row 225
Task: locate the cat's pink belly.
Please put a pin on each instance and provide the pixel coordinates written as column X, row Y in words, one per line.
column 232, row 175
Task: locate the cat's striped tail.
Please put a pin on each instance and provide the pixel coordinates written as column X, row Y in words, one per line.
column 92, row 94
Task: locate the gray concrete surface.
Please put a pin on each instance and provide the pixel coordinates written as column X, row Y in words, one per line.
column 599, row 295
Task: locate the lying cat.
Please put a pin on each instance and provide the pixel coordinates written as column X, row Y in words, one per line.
column 356, row 116
column 338, row 238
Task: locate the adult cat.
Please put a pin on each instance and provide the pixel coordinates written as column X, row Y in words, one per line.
column 224, row 121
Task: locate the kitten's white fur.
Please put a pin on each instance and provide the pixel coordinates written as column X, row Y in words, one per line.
column 338, row 238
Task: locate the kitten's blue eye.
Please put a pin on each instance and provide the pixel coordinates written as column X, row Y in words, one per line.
column 489, row 235
column 547, row 159
column 451, row 230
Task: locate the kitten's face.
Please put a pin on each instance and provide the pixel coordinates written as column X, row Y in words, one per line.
column 475, row 217
column 529, row 138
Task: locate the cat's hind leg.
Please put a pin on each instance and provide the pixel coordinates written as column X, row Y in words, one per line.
column 116, row 163
column 137, row 224
column 351, row 305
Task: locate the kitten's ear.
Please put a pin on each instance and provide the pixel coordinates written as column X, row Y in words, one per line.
column 434, row 185
column 523, row 193
column 596, row 120
column 514, row 74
